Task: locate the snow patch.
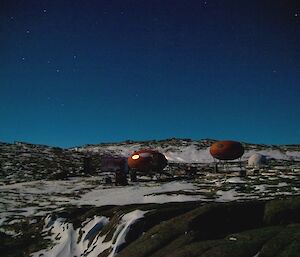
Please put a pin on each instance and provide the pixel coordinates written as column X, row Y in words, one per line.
column 85, row 241
column 126, row 221
column 236, row 180
column 225, row 196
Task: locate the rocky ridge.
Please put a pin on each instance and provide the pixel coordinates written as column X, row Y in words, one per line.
column 21, row 161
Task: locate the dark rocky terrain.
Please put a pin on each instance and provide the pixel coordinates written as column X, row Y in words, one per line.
column 55, row 202
column 21, row 162
column 192, row 229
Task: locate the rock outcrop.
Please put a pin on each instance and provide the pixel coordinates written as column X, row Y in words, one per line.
column 193, row 229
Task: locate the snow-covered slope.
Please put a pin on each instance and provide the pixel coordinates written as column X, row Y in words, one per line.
column 191, row 151
column 22, row 162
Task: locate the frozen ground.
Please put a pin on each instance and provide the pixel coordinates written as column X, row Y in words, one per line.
column 27, row 196
column 40, row 199
column 43, row 197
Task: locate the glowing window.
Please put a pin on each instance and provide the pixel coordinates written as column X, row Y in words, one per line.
column 135, row 157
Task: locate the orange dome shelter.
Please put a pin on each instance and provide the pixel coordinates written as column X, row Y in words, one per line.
column 226, row 150
column 147, row 160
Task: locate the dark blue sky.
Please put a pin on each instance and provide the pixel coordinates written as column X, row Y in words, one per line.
column 77, row 72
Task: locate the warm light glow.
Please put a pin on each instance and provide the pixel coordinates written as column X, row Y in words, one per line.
column 135, row 157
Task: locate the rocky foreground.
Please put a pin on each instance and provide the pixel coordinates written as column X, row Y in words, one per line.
column 192, row 229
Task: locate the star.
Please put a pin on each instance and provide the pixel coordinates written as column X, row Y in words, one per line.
column 44, row 11
column 23, row 58
column 74, row 56
column 27, row 31
column 57, row 70
column 296, row 14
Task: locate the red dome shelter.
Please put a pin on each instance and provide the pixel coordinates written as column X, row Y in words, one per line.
column 226, row 150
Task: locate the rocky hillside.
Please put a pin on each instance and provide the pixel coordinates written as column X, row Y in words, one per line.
column 192, row 229
column 192, row 151
column 21, row 162
column 26, row 162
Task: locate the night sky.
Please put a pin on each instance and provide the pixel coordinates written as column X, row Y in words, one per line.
column 87, row 71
